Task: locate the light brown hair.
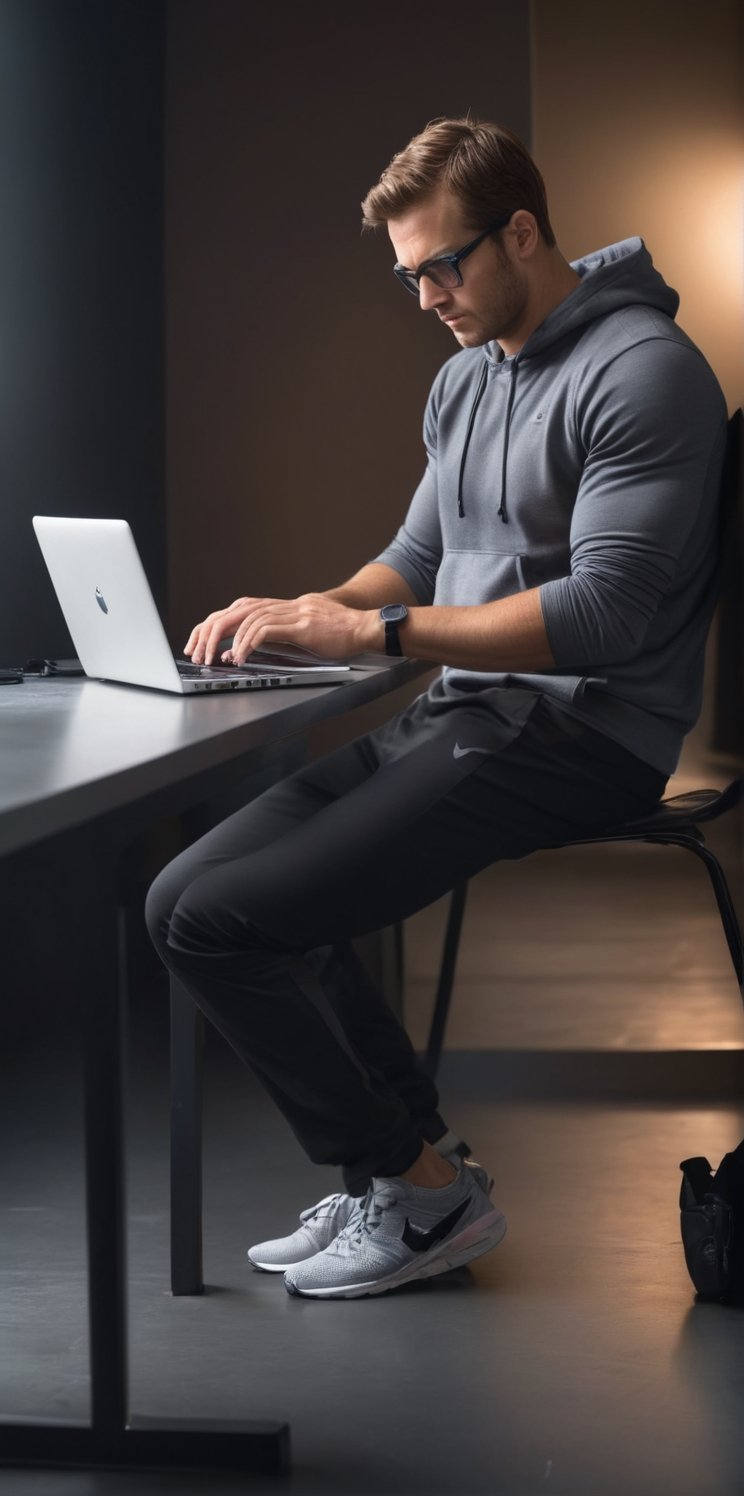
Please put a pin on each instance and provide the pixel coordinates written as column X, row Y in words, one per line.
column 482, row 164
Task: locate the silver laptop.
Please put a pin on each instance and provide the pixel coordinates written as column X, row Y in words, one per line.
column 115, row 626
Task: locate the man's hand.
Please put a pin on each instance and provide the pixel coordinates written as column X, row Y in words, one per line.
column 315, row 621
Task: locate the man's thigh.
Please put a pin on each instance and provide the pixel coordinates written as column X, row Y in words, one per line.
column 397, row 838
column 263, row 820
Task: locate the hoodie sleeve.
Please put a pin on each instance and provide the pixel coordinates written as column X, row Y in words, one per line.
column 653, row 428
column 416, row 551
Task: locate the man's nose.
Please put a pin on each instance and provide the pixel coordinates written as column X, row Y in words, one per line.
column 431, row 296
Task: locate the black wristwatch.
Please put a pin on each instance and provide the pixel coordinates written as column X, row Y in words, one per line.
column 393, row 615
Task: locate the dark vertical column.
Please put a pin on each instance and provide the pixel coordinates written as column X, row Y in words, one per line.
column 81, row 289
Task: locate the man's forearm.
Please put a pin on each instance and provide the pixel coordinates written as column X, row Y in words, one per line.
column 505, row 635
column 372, row 587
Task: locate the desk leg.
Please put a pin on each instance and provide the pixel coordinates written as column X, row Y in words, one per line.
column 186, row 1058
column 95, row 950
column 104, row 1169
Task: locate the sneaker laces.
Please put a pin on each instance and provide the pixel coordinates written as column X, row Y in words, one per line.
column 313, row 1212
column 366, row 1217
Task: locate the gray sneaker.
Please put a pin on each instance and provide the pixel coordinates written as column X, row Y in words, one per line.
column 400, row 1232
column 316, row 1230
column 320, row 1223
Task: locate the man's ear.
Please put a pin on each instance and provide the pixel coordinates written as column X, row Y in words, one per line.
column 524, row 233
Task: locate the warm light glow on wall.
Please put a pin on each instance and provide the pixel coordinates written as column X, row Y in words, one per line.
column 719, row 236
column 692, row 199
column 649, row 139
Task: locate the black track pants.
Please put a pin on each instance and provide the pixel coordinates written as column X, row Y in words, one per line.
column 257, row 917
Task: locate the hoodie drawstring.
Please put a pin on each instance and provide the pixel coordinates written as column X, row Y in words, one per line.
column 468, row 434
column 510, row 401
column 471, row 422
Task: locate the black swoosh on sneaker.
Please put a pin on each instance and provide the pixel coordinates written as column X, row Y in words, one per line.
column 421, row 1241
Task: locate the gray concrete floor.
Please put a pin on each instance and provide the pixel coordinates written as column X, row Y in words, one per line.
column 574, row 1359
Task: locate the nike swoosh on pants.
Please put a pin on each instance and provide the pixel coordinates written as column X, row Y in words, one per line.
column 459, row 752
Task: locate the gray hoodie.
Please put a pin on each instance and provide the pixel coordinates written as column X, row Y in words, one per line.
column 588, row 465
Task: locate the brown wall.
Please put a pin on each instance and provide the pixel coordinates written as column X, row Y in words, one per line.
column 638, row 127
column 297, row 368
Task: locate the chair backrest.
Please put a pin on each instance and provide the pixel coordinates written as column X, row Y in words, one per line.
column 728, row 714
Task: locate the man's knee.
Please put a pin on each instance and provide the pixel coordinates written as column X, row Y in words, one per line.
column 208, row 919
column 162, row 897
column 182, row 924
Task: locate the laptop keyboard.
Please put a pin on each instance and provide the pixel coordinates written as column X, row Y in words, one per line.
column 220, row 672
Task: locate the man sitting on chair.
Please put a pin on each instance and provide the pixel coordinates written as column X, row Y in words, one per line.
column 558, row 560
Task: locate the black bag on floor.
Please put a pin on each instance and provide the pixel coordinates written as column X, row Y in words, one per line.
column 712, row 1222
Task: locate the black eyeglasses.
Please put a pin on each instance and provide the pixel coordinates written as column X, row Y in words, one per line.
column 444, row 270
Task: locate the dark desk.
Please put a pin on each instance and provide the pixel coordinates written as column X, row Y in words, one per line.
column 85, row 768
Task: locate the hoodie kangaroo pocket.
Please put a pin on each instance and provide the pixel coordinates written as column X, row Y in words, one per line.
column 466, row 578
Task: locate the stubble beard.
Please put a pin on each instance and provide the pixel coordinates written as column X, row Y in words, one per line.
column 500, row 321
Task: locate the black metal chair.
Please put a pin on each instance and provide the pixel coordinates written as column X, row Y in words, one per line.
column 674, row 823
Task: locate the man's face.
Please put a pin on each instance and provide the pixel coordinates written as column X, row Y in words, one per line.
column 492, row 301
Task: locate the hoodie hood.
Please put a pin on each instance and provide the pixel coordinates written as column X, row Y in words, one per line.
column 620, row 276
column 612, row 279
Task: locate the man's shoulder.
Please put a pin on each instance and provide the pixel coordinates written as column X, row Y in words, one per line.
column 632, row 326
column 635, row 345
column 647, row 366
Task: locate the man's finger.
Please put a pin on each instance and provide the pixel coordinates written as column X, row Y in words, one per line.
column 269, row 624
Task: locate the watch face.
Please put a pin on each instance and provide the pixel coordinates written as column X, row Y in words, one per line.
column 394, row 613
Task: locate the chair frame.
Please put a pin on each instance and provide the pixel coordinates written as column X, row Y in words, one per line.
column 674, row 823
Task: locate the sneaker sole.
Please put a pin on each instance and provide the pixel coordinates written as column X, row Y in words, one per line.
column 275, row 1267
column 478, row 1239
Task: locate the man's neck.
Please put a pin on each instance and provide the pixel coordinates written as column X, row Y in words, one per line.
column 553, row 282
